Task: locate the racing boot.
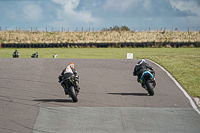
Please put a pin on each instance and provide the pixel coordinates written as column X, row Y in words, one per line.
column 153, row 81
column 65, row 89
column 142, row 83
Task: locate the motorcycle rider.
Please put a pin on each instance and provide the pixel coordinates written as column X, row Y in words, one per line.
column 16, row 54
column 70, row 69
column 139, row 70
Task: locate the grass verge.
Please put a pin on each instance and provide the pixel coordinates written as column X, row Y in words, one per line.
column 182, row 63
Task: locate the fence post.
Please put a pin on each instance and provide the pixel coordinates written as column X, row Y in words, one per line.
column 31, row 29
column 46, row 29
column 188, row 29
column 93, row 29
column 68, row 29
column 172, row 29
column 165, row 29
column 89, row 29
column 149, row 29
column 36, row 29
column 82, row 29
column 0, row 28
column 62, row 29
column 161, row 29
column 135, row 29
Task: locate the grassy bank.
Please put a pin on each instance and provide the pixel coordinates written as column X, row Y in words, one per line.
column 98, row 37
column 182, row 63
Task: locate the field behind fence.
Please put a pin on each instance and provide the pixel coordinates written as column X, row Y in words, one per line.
column 45, row 37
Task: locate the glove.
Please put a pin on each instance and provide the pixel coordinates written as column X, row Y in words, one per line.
column 60, row 78
column 77, row 77
column 134, row 74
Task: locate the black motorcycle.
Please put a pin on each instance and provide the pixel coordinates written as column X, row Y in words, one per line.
column 149, row 82
column 16, row 54
column 35, row 55
column 70, row 87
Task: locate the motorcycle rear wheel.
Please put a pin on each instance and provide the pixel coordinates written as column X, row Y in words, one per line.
column 149, row 87
column 73, row 94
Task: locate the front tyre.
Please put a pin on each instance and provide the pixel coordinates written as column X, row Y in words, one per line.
column 149, row 87
column 73, row 94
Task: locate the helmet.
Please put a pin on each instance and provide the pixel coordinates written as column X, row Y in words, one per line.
column 142, row 60
column 72, row 65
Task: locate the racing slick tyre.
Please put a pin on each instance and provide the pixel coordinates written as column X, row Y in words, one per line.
column 149, row 87
column 73, row 94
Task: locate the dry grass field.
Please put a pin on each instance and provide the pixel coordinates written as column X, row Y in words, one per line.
column 98, row 37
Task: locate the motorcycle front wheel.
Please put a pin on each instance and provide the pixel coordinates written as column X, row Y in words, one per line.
column 73, row 94
column 149, row 87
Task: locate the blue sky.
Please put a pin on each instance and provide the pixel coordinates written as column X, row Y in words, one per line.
column 100, row 13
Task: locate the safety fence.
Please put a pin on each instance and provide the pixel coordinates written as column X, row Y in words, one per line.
column 95, row 29
column 102, row 45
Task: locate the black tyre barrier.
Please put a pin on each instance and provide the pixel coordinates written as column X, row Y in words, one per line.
column 102, row 45
column 3, row 45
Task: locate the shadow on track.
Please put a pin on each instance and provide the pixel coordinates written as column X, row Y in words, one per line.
column 126, row 94
column 53, row 100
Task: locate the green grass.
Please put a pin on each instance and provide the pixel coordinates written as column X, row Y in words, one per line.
column 182, row 63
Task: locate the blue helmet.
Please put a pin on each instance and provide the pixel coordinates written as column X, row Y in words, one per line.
column 142, row 60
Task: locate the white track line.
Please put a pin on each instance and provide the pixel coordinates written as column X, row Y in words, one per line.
column 179, row 86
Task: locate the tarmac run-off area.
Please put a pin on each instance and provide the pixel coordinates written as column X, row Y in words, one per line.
column 110, row 99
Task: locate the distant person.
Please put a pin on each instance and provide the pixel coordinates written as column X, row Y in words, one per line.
column 16, row 54
column 54, row 56
column 140, row 68
column 69, row 71
column 35, row 55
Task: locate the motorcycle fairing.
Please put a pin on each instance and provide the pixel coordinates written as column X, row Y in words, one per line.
column 146, row 73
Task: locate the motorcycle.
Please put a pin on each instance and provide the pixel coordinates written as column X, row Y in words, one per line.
column 35, row 55
column 70, row 87
column 149, row 82
column 16, row 54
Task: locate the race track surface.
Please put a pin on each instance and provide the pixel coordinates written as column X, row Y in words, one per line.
column 110, row 99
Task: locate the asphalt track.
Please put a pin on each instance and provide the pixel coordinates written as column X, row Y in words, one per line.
column 110, row 99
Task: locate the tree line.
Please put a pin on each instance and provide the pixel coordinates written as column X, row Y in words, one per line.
column 116, row 28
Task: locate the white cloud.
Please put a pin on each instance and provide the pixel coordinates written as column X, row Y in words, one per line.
column 32, row 12
column 68, row 5
column 96, row 3
column 12, row 15
column 120, row 5
column 70, row 16
column 147, row 4
column 187, row 6
column 101, row 13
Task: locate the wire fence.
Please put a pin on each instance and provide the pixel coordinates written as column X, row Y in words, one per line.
column 97, row 29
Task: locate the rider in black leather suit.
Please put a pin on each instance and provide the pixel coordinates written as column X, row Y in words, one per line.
column 140, row 67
